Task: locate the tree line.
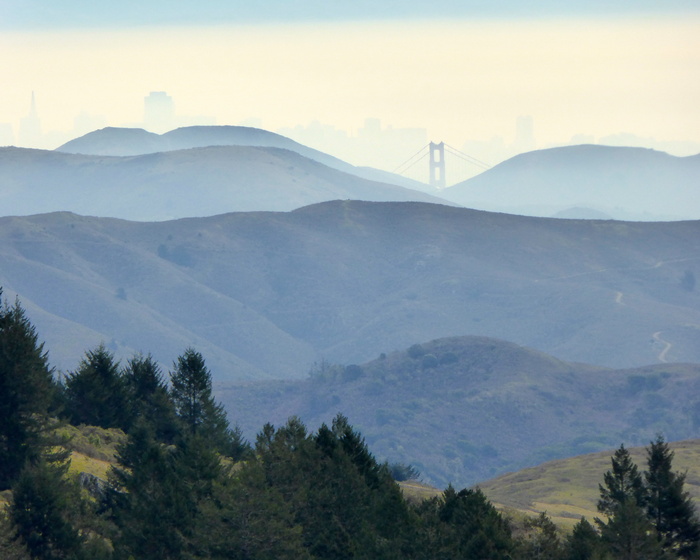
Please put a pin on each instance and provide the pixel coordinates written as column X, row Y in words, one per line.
column 188, row 486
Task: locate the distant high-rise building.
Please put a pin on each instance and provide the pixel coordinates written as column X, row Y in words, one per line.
column 158, row 112
column 30, row 128
column 524, row 134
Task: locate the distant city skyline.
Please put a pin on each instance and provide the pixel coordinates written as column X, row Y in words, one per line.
column 374, row 143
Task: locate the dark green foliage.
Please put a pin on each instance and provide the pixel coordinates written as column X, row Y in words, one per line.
column 416, row 351
column 156, row 492
column 149, row 400
column 622, row 483
column 651, row 517
column 196, row 408
column 668, row 506
column 628, row 534
column 43, row 503
column 346, row 503
column 96, row 393
column 400, row 472
column 11, row 546
column 247, row 519
column 464, row 525
column 26, row 393
column 584, row 542
column 541, row 541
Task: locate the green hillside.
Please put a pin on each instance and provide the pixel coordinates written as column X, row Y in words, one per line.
column 465, row 409
column 568, row 488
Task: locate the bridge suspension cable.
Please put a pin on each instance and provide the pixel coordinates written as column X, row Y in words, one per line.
column 414, row 159
column 436, row 165
column 467, row 157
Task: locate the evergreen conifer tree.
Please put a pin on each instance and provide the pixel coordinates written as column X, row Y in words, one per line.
column 628, row 534
column 26, row 391
column 96, row 392
column 11, row 546
column 669, row 507
column 149, row 399
column 196, row 408
column 623, row 483
column 44, row 505
column 464, row 524
column 148, row 499
column 584, row 542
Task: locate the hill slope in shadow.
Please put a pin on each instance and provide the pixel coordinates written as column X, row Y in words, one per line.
column 349, row 280
column 464, row 409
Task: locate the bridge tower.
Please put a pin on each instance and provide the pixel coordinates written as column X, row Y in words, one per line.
column 437, row 165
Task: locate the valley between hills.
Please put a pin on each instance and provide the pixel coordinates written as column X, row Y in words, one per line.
column 312, row 287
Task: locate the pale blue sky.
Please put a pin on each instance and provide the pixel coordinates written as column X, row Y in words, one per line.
column 89, row 13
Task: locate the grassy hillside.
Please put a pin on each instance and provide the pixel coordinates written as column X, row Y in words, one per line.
column 463, row 410
column 568, row 488
column 264, row 295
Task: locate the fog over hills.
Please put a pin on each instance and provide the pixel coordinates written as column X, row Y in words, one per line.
column 178, row 184
column 265, row 294
column 113, row 141
column 623, row 183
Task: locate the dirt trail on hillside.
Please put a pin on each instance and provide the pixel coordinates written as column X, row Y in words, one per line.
column 667, row 346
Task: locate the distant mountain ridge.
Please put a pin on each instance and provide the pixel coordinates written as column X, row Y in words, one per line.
column 179, row 184
column 265, row 294
column 113, row 141
column 624, row 183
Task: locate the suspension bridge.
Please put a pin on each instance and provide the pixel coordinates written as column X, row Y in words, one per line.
column 462, row 166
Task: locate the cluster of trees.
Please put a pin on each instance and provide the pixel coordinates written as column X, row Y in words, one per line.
column 649, row 515
column 186, row 486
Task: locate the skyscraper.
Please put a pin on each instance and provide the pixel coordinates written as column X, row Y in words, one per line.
column 158, row 112
column 30, row 128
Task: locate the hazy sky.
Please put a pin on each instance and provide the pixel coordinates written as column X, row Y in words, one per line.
column 462, row 70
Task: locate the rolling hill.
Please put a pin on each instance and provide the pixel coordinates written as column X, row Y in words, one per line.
column 265, row 294
column 113, row 141
column 178, row 184
column 568, row 488
column 465, row 409
column 623, row 183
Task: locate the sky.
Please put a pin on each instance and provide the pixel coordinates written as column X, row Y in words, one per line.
column 462, row 70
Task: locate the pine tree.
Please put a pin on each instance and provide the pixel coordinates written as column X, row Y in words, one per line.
column 669, row 507
column 26, row 391
column 584, row 542
column 196, row 408
column 149, row 399
column 96, row 393
column 622, row 484
column 628, row 534
column 542, row 541
column 464, row 524
column 11, row 546
column 248, row 519
column 148, row 499
column 43, row 504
